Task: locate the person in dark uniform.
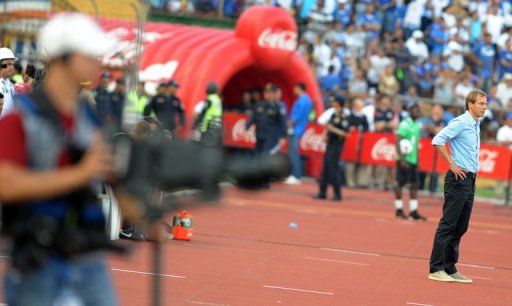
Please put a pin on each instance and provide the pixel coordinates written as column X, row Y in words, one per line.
column 337, row 129
column 102, row 97
column 116, row 101
column 156, row 107
column 166, row 106
column 270, row 121
column 177, row 108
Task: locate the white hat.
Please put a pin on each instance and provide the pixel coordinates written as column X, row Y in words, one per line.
column 417, row 34
column 507, row 76
column 6, row 53
column 342, row 1
column 72, row 33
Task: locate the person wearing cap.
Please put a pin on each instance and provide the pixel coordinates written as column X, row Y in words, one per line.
column 209, row 121
column 268, row 117
column 463, row 136
column 178, row 110
column 336, row 130
column 408, row 136
column 166, row 106
column 102, row 97
column 416, row 46
column 53, row 223
column 116, row 101
column 6, row 72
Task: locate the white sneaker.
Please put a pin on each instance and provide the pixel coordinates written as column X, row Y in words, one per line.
column 292, row 180
column 441, row 276
column 459, row 278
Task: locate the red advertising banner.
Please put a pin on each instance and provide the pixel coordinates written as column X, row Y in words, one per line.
column 311, row 143
column 351, row 146
column 235, row 134
column 378, row 149
column 426, row 156
column 494, row 162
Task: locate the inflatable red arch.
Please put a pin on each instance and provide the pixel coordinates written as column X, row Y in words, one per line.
column 261, row 49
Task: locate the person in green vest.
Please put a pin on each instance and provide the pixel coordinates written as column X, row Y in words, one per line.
column 137, row 101
column 408, row 136
column 209, row 122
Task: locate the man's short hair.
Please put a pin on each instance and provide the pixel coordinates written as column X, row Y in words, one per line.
column 473, row 95
column 302, row 86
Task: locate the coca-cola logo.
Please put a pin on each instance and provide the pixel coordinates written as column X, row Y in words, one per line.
column 487, row 159
column 383, row 150
column 239, row 133
column 278, row 39
column 312, row 141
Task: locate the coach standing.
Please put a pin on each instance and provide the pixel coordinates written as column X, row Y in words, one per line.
column 463, row 134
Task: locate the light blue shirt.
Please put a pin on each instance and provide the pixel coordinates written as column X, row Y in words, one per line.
column 463, row 136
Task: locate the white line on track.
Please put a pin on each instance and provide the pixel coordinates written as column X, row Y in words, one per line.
column 338, row 261
column 149, row 273
column 418, row 304
column 351, row 252
column 477, row 266
column 214, row 247
column 299, row 290
column 478, row 277
column 206, row 303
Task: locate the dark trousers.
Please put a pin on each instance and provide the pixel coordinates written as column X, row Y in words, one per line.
column 330, row 172
column 264, row 146
column 458, row 202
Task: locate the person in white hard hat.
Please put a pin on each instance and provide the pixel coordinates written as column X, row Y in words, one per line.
column 6, row 72
column 52, row 220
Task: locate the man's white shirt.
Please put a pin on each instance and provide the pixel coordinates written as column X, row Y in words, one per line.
column 7, row 89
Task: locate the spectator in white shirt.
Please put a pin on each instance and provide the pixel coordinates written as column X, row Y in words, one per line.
column 504, row 135
column 455, row 50
column 412, row 18
column 494, row 23
column 378, row 62
column 321, row 53
column 416, row 46
column 504, row 92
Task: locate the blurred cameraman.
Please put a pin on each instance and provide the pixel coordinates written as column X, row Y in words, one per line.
column 53, row 222
column 6, row 72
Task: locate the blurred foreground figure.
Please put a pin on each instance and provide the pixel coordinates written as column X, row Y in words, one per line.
column 52, row 220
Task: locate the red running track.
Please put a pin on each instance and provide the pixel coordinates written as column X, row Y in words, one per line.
column 351, row 253
column 342, row 253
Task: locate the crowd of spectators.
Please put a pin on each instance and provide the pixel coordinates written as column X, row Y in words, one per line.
column 436, row 50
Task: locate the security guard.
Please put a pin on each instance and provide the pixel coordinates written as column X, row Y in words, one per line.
column 116, row 100
column 177, row 108
column 210, row 118
column 134, row 109
column 270, row 121
column 166, row 106
column 102, row 97
column 337, row 129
